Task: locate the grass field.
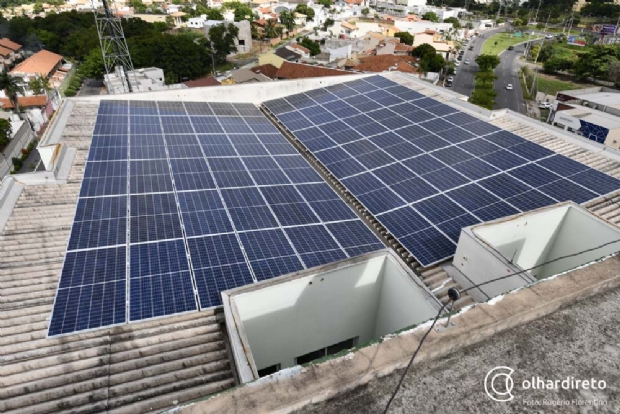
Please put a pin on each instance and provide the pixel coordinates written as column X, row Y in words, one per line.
column 551, row 86
column 504, row 40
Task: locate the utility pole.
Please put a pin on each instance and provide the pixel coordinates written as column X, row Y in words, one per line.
column 536, row 17
column 498, row 11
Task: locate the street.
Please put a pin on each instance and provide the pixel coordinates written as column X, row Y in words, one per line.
column 506, row 73
column 464, row 80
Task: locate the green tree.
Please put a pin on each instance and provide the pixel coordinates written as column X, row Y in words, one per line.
column 557, row 64
column 311, row 45
column 432, row 16
column 242, row 10
column 138, row 6
column 325, row 3
column 469, row 25
column 487, row 62
column 270, row 31
column 423, row 50
column 304, row 9
column 223, row 38
column 214, row 14
column 5, row 133
column 328, row 23
column 405, row 37
column 11, row 88
column 455, row 22
column 287, row 19
column 432, row 63
column 38, row 8
column 483, row 97
column 486, row 77
column 93, row 66
column 39, row 85
column 365, row 11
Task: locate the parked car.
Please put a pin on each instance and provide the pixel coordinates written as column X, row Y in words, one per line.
column 470, row 48
column 511, row 47
column 457, row 63
column 545, row 105
column 450, row 79
column 549, row 37
column 448, row 84
column 509, row 87
column 467, row 62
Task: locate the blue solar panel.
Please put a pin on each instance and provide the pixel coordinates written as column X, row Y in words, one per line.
column 428, row 245
column 192, row 182
column 425, row 149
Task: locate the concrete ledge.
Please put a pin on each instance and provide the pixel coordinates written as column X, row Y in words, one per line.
column 10, row 190
column 294, row 388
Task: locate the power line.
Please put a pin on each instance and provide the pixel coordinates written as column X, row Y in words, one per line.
column 458, row 293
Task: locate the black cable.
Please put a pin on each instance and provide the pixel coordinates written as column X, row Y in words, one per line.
column 400, row 382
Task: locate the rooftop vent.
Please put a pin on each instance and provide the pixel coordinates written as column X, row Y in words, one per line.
column 537, row 239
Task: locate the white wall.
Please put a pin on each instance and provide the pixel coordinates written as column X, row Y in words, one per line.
column 579, row 232
column 401, row 303
column 291, row 319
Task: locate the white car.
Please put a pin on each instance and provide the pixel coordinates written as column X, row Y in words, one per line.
column 450, row 79
column 467, row 62
column 509, row 87
column 545, row 105
column 457, row 63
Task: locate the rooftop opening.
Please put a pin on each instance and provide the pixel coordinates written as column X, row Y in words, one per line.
column 297, row 318
column 537, row 240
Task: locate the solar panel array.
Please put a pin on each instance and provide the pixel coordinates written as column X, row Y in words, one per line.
column 180, row 201
column 425, row 169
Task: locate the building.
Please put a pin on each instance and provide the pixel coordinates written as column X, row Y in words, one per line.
column 593, row 113
column 303, row 51
column 249, row 76
column 42, row 63
column 201, row 83
column 243, row 41
column 145, row 79
column 324, row 203
column 386, row 63
column 290, row 70
column 16, row 48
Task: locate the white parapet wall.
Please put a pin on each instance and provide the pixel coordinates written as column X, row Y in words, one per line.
column 273, row 322
column 537, row 245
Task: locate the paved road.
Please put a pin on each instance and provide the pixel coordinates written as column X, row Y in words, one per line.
column 506, row 73
column 464, row 80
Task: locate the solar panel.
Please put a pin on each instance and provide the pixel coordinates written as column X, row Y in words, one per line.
column 181, row 201
column 426, row 169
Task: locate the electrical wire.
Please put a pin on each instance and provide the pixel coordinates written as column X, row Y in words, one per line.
column 402, row 377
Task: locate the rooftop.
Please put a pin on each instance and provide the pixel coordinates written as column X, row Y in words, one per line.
column 290, row 70
column 382, row 63
column 25, row 101
column 287, row 54
column 268, row 70
column 5, row 51
column 593, row 116
column 42, row 62
column 9, row 44
column 148, row 365
column 199, row 83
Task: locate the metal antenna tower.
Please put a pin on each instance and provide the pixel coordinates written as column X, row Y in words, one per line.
column 116, row 57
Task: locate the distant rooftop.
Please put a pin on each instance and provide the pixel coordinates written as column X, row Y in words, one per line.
column 42, row 62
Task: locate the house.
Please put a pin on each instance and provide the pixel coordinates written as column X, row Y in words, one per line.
column 249, row 76
column 385, row 48
column 348, row 29
column 300, row 19
column 34, row 107
column 201, row 83
column 267, row 69
column 43, row 63
column 288, row 54
column 6, row 56
column 386, row 63
column 290, row 70
column 243, row 41
column 303, row 51
column 18, row 50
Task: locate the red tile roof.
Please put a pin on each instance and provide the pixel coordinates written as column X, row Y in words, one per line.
column 290, row 70
column 268, row 70
column 382, row 63
column 298, row 47
column 9, row 44
column 5, row 52
column 25, row 101
column 42, row 62
column 199, row 83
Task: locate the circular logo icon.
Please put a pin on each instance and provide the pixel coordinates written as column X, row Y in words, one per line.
column 498, row 384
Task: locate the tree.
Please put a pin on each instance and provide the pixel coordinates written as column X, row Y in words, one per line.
column 613, row 74
column 242, row 10
column 93, row 66
column 328, row 23
column 38, row 8
column 39, row 85
column 432, row 16
column 483, row 97
column 557, row 64
column 432, row 63
column 423, row 50
column 311, row 45
column 485, row 77
column 469, row 26
column 304, row 9
column 405, row 37
column 325, row 3
column 270, row 29
column 214, row 14
column 365, row 11
column 5, row 133
column 455, row 22
column 487, row 62
column 222, row 37
column 11, row 88
column 287, row 19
